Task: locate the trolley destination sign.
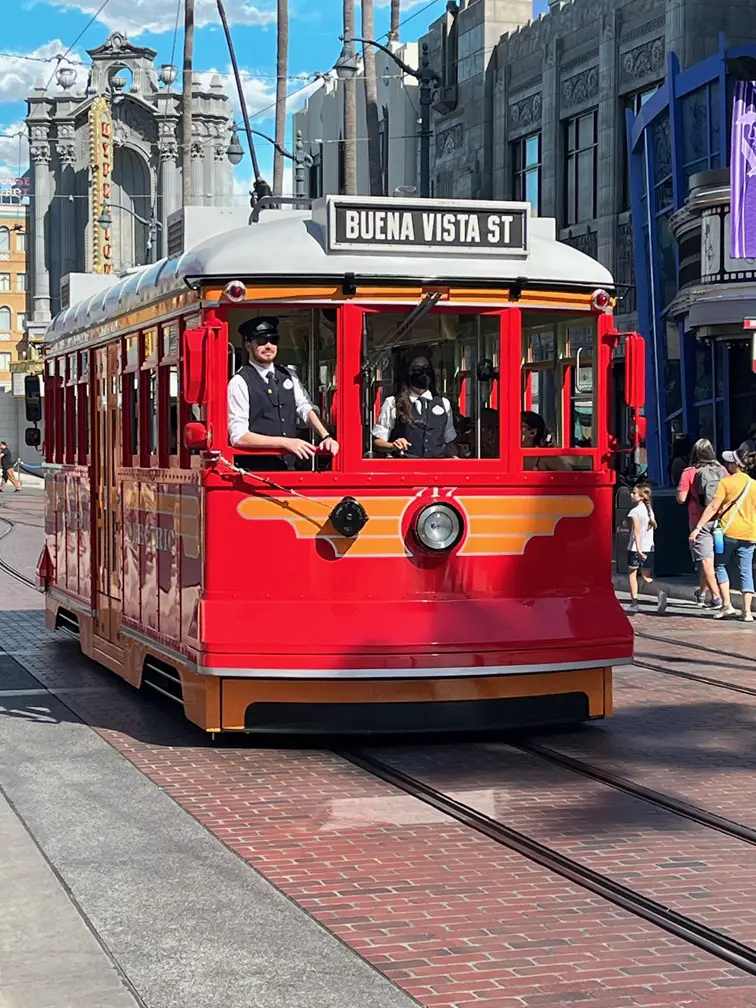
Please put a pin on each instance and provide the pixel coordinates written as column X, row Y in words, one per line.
column 429, row 226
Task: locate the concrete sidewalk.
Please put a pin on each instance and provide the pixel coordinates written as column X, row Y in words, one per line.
column 49, row 957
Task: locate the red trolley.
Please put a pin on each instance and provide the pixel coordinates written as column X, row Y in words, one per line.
column 476, row 594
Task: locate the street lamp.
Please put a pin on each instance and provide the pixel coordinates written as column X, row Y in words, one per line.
column 427, row 78
column 347, row 65
column 234, row 151
column 105, row 221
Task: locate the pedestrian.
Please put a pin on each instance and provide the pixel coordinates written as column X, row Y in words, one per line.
column 734, row 506
column 6, row 463
column 640, row 555
column 697, row 486
column 681, row 448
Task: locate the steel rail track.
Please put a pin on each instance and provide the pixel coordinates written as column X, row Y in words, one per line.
column 693, row 647
column 703, row 937
column 4, row 566
column 666, row 802
column 694, row 677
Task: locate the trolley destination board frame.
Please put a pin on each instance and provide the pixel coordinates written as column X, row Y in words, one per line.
column 429, row 227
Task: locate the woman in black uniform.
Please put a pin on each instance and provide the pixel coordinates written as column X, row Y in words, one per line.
column 416, row 420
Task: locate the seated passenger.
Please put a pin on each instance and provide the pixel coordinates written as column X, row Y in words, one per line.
column 534, row 435
column 265, row 400
column 416, row 420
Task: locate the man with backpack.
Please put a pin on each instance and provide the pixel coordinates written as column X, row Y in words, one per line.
column 697, row 487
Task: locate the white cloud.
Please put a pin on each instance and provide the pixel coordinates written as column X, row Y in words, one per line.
column 12, row 154
column 18, row 74
column 157, row 16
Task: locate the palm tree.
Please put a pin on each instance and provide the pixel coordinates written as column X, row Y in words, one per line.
column 394, row 29
column 371, row 102
column 350, row 105
column 282, row 72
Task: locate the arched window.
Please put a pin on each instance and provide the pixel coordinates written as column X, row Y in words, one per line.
column 5, row 319
column 4, row 239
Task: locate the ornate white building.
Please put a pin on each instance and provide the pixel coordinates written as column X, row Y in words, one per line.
column 131, row 142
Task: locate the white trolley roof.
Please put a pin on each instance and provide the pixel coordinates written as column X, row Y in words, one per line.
column 313, row 246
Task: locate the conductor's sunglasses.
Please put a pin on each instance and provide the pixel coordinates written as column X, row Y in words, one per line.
column 264, row 338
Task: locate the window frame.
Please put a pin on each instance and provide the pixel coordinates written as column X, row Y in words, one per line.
column 5, row 278
column 84, row 418
column 521, row 170
column 572, row 156
column 9, row 328
column 5, row 242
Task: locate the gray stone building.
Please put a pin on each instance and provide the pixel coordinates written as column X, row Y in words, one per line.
column 537, row 109
column 127, row 155
column 540, row 113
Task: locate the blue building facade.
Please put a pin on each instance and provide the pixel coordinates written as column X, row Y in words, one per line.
column 692, row 299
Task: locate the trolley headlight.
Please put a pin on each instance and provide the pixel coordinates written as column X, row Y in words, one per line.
column 438, row 527
column 235, row 290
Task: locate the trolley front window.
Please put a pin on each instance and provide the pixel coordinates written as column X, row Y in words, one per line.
column 307, row 350
column 430, row 386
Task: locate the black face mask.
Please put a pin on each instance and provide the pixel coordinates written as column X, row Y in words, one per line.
column 420, row 377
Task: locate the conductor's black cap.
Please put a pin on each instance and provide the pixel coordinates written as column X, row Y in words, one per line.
column 262, row 326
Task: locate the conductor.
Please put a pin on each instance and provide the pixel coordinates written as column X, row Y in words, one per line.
column 266, row 399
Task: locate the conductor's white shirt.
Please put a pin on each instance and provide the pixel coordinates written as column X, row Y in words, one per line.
column 238, row 401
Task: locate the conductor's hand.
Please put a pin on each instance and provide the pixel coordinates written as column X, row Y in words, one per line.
column 401, row 443
column 330, row 444
column 296, row 446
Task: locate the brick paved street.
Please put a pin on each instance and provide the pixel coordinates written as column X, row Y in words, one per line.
column 448, row 916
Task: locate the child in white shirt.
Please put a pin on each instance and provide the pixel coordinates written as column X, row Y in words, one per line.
column 640, row 553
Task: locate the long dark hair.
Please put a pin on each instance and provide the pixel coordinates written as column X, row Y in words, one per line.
column 403, row 401
column 535, row 422
column 703, row 453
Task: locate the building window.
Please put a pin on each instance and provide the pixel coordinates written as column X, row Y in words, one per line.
column 20, row 281
column 526, row 165
column 5, row 282
column 700, row 129
column 5, row 319
column 20, row 241
column 21, row 321
column 581, row 147
column 5, row 361
column 4, row 239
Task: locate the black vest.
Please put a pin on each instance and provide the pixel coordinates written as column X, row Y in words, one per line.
column 272, row 412
column 426, row 431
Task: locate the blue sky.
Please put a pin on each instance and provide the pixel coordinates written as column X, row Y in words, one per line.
column 44, row 28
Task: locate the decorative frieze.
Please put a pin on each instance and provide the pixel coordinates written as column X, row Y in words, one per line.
column 580, row 88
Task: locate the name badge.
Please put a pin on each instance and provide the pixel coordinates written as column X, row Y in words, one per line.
column 288, row 384
column 438, row 410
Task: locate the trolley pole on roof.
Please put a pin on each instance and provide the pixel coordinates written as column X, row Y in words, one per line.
column 428, row 80
column 186, row 105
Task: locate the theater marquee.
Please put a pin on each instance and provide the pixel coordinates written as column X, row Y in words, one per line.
column 101, row 164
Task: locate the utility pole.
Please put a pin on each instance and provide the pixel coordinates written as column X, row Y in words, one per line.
column 350, row 104
column 186, row 109
column 282, row 70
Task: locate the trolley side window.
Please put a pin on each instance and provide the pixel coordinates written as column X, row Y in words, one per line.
column 307, row 349
column 83, row 408
column 132, row 433
column 559, row 358
column 430, row 386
